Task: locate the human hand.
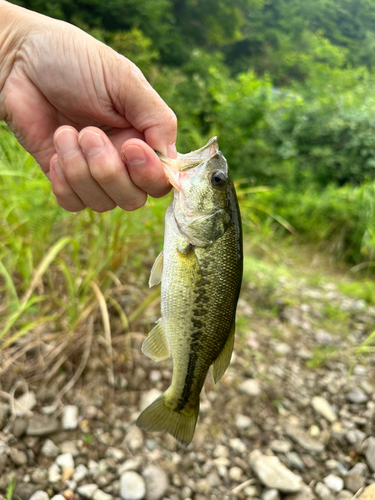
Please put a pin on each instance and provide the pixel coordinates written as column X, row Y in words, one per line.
column 86, row 114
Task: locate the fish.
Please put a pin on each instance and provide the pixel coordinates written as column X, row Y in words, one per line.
column 200, row 270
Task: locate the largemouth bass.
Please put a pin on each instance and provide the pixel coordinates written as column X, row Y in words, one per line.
column 200, row 269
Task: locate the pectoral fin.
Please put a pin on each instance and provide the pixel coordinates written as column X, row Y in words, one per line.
column 156, row 271
column 222, row 361
column 156, row 346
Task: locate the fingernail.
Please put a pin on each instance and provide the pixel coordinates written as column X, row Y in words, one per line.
column 172, row 151
column 58, row 169
column 91, row 142
column 134, row 155
column 66, row 142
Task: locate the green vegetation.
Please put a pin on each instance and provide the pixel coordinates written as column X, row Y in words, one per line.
column 287, row 85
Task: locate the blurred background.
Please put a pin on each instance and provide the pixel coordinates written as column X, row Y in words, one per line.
column 288, row 88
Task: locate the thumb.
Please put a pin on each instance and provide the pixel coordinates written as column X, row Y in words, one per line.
column 144, row 109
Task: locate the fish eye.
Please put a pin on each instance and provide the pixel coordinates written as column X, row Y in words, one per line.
column 218, row 179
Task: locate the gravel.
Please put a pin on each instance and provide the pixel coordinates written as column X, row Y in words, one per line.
column 273, row 474
column 280, row 425
column 132, row 486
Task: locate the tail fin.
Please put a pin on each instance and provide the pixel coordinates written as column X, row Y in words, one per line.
column 160, row 416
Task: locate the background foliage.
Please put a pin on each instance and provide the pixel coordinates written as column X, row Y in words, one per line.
column 287, row 85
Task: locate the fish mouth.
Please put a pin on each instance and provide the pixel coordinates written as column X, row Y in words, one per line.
column 184, row 162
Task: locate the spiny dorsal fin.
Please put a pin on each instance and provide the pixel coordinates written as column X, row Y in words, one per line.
column 222, row 361
column 156, row 271
column 156, row 346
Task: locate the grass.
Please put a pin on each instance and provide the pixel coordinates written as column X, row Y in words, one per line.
column 69, row 281
column 58, row 269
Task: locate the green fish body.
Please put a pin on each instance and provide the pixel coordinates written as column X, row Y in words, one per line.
column 200, row 269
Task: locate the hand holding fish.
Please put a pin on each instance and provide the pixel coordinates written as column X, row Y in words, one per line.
column 87, row 114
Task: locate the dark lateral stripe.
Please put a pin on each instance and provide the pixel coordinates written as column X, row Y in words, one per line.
column 189, row 379
column 198, row 324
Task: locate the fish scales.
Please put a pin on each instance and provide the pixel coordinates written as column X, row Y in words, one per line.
column 200, row 283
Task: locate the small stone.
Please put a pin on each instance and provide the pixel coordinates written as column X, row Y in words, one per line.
column 282, row 349
column 355, row 478
column 58, row 497
column 322, row 406
column 24, row 491
column 65, row 460
column 357, row 396
column 279, row 446
column 203, row 486
column 250, row 387
column 213, row 479
column 242, row 422
column 69, row 494
column 69, row 418
column 130, row 464
column 295, row 460
column 220, row 451
column 18, row 457
column 132, row 486
column 273, row 474
column 251, row 491
column 356, row 437
column 237, row 445
column 368, row 493
column 134, row 439
column 235, row 474
column 156, row 481
column 370, row 453
column 314, row 431
column 42, row 425
column 39, row 495
column 49, row 449
column 48, row 410
column 272, row 494
column 80, row 473
column 101, row 495
column 90, row 412
column 323, row 492
column 323, row 337
column 19, row 427
column 54, row 473
column 87, row 490
column 39, row 476
column 115, row 453
column 67, row 473
column 69, row 447
column 24, row 403
column 360, row 370
column 305, row 494
column 304, row 440
column 148, row 398
column 155, row 376
column 344, row 495
column 334, row 483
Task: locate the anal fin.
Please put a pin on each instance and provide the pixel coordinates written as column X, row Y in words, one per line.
column 156, row 346
column 222, row 361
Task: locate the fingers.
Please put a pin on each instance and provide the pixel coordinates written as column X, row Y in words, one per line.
column 65, row 195
column 145, row 168
column 90, row 172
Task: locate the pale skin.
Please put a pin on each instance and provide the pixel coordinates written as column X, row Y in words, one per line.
column 85, row 113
